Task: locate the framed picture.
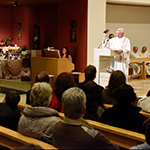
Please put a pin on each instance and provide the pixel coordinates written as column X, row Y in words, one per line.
column 19, row 32
column 73, row 31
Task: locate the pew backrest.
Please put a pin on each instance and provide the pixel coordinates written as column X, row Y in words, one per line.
column 122, row 137
column 14, row 140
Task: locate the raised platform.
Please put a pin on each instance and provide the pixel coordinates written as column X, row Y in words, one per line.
column 15, row 84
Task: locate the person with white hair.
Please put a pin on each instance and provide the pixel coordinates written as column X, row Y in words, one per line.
column 38, row 120
column 73, row 132
column 120, row 44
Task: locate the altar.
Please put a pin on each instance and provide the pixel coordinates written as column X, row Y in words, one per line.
column 103, row 58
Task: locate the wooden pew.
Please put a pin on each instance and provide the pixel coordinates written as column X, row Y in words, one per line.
column 122, row 137
column 146, row 114
column 14, row 140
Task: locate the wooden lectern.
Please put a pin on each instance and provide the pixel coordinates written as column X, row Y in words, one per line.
column 102, row 59
column 53, row 66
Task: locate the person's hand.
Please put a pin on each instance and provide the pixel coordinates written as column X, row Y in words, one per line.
column 120, row 51
column 105, row 35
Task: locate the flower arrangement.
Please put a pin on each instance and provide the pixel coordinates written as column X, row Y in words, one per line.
column 7, row 41
column 25, row 54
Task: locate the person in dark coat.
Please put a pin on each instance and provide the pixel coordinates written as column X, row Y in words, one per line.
column 124, row 114
column 9, row 113
column 40, row 77
column 90, row 74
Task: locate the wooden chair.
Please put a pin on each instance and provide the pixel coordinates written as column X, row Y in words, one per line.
column 14, row 140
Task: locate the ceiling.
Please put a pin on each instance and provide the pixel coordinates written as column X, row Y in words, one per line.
column 10, row 3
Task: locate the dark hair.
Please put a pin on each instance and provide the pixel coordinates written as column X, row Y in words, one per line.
column 135, row 47
column 67, row 51
column 125, row 94
column 12, row 98
column 42, row 77
column 90, row 72
column 63, row 82
column 116, row 79
column 110, row 35
column 94, row 100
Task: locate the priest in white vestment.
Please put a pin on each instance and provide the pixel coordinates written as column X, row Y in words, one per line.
column 145, row 54
column 121, row 44
column 136, row 66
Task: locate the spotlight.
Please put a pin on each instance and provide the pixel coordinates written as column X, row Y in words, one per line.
column 15, row 3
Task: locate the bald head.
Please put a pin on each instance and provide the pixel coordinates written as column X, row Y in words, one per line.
column 42, row 77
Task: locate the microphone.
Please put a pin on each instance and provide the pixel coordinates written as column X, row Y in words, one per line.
column 102, row 43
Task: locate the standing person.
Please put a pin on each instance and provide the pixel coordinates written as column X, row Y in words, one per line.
column 66, row 54
column 74, row 132
column 121, row 44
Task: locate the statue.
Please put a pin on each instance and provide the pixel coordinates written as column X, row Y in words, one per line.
column 36, row 38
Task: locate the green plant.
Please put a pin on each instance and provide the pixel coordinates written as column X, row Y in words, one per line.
column 7, row 41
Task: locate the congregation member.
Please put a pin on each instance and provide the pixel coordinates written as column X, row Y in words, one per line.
column 146, row 145
column 124, row 114
column 38, row 120
column 66, row 54
column 94, row 104
column 73, row 132
column 9, row 112
column 40, row 77
column 90, row 75
column 136, row 66
column 63, row 82
column 121, row 44
column 116, row 79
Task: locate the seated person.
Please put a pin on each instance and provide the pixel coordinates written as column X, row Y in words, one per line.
column 38, row 120
column 124, row 114
column 74, row 132
column 63, row 82
column 9, row 112
column 145, row 145
column 40, row 77
column 66, row 54
column 136, row 66
column 145, row 54
column 116, row 79
column 90, row 74
column 94, row 104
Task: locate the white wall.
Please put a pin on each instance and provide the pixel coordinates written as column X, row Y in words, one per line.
column 96, row 24
column 135, row 21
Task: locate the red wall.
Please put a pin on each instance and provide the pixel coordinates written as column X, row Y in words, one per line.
column 54, row 21
column 48, row 26
column 5, row 22
column 20, row 14
column 73, row 10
